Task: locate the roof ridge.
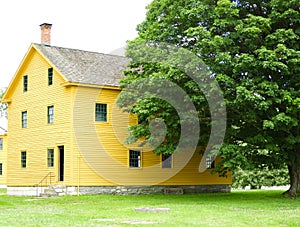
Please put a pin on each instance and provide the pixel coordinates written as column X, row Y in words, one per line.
column 75, row 49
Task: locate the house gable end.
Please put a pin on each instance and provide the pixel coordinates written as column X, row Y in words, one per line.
column 27, row 60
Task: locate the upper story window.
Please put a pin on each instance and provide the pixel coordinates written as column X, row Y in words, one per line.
column 166, row 160
column 50, row 114
column 25, row 83
column 23, row 159
column 1, row 144
column 50, row 76
column 24, row 119
column 101, row 112
column 134, row 158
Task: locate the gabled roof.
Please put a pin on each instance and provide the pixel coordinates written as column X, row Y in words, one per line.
column 85, row 66
column 76, row 66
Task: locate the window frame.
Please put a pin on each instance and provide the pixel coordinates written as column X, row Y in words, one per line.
column 24, row 159
column 25, row 83
column 166, row 161
column 50, row 116
column 100, row 115
column 50, row 158
column 50, row 76
column 24, row 119
column 132, row 161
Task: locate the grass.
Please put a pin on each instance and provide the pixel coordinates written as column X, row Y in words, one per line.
column 239, row 208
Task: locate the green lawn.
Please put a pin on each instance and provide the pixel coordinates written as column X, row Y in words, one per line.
column 239, row 208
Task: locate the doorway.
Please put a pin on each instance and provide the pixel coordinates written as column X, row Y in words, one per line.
column 61, row 162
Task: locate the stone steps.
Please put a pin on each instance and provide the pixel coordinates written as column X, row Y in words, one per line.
column 54, row 190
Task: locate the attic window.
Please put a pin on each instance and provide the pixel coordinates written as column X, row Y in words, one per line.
column 50, row 76
column 25, row 83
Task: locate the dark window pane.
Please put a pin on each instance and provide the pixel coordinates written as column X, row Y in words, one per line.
column 23, row 159
column 101, row 112
column 134, row 158
column 50, row 76
column 25, row 83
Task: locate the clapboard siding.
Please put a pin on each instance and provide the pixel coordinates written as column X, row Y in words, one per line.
column 96, row 138
column 39, row 135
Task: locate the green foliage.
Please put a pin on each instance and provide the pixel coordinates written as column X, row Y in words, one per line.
column 253, row 50
column 256, row 178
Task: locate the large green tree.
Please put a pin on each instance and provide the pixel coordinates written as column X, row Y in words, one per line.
column 252, row 49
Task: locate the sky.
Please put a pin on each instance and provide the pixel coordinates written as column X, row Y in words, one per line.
column 94, row 25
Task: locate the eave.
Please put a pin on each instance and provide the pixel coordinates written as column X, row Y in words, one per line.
column 77, row 84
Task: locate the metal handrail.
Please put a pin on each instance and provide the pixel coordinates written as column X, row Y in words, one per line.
column 44, row 182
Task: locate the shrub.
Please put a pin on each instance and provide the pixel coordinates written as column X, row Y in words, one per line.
column 259, row 177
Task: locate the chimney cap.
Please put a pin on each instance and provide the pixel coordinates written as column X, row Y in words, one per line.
column 44, row 24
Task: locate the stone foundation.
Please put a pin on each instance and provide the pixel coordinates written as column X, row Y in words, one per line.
column 125, row 190
column 138, row 190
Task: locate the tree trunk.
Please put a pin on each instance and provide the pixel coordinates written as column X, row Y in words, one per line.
column 294, row 173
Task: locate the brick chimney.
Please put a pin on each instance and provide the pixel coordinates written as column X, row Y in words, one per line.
column 46, row 33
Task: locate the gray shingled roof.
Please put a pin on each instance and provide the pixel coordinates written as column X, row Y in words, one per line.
column 85, row 66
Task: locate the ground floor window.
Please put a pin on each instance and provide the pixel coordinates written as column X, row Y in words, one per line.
column 0, row 168
column 166, row 160
column 210, row 161
column 134, row 158
column 23, row 159
column 50, row 157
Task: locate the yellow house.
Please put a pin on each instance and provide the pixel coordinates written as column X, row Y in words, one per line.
column 3, row 158
column 65, row 128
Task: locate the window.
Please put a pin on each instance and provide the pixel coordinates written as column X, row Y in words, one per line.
column 50, row 157
column 134, row 158
column 24, row 119
column 50, row 114
column 50, row 76
column 23, row 159
column 25, row 83
column 210, row 162
column 166, row 160
column 101, row 112
column 1, row 144
column 0, row 169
